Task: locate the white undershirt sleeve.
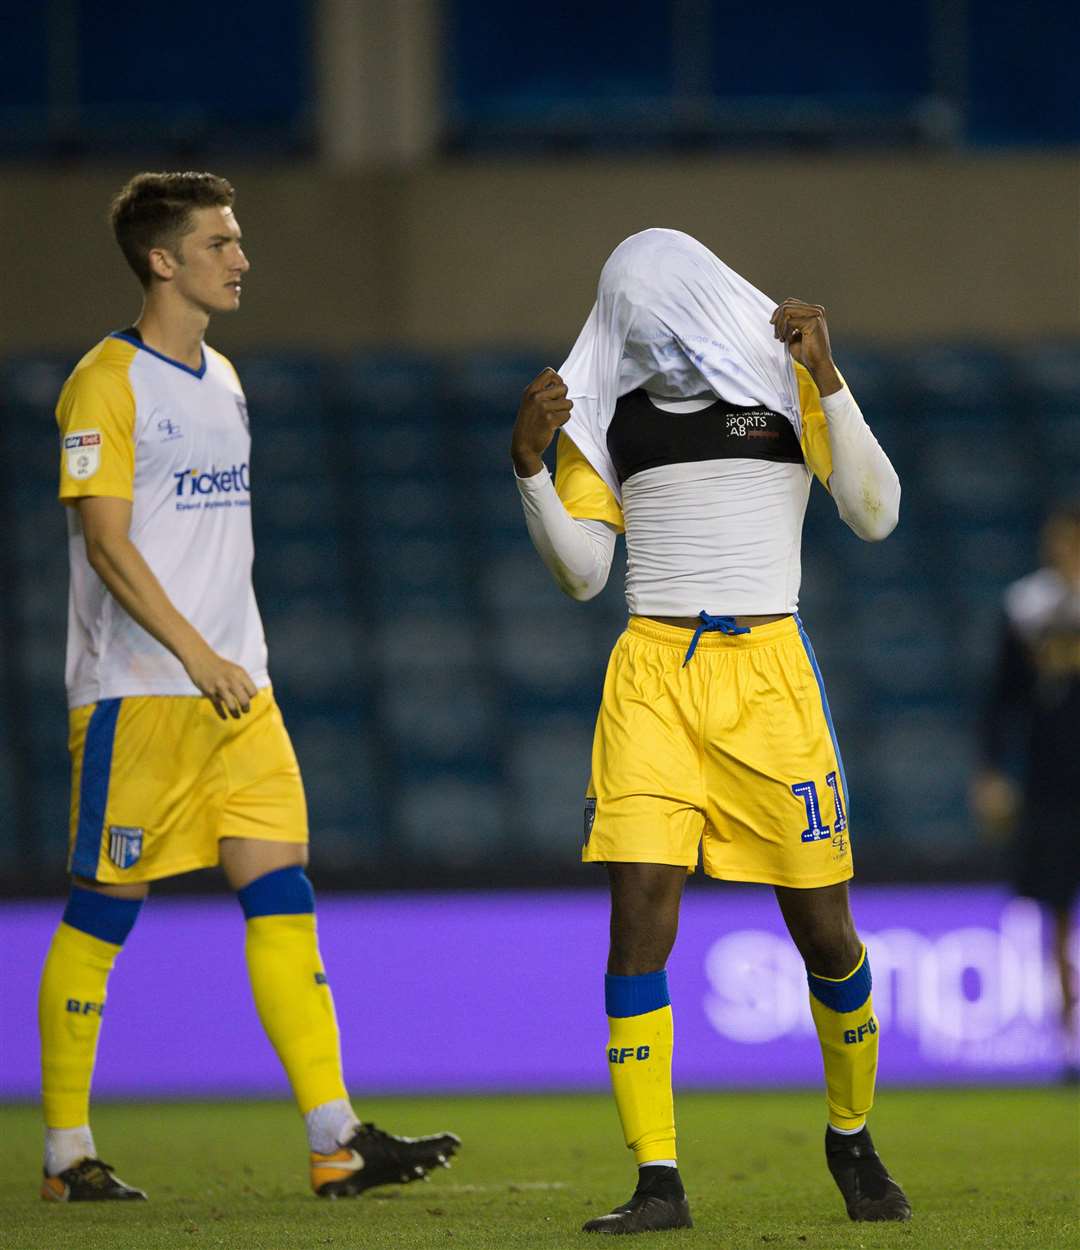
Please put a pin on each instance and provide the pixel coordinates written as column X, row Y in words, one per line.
column 863, row 482
column 578, row 554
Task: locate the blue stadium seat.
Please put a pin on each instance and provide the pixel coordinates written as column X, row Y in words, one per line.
column 483, row 390
column 336, row 755
column 388, row 387
column 416, row 573
column 429, row 641
column 546, row 667
column 33, row 382
column 448, row 819
column 314, row 649
column 390, row 383
column 990, row 554
column 977, row 473
column 289, row 453
column 404, row 504
column 491, row 508
column 492, row 380
column 923, row 761
column 957, row 378
column 872, row 375
column 548, row 768
column 514, row 585
column 283, row 391
column 9, row 844
column 1046, row 375
column 447, row 717
column 903, row 647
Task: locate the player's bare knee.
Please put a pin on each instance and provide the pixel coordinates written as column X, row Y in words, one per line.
column 831, row 948
column 243, row 860
column 637, row 960
column 641, row 941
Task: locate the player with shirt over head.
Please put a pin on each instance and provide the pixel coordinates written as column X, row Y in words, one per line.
column 180, row 757
column 694, row 413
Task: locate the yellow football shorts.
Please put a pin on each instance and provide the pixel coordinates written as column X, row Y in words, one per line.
column 733, row 751
column 158, row 780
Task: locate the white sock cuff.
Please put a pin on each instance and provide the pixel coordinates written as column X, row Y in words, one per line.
column 330, row 1125
column 64, row 1147
column 847, row 1132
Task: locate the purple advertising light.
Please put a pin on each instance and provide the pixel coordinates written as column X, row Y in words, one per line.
column 466, row 992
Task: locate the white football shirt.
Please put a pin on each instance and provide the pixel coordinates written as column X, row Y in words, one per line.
column 137, row 425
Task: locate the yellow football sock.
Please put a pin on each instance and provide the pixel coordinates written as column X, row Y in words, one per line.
column 640, row 1043
column 71, row 999
column 848, row 1031
column 290, row 988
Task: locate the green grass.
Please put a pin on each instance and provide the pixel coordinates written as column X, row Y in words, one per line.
column 992, row 1170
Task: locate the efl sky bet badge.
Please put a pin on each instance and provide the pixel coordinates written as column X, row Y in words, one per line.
column 125, row 845
column 83, row 451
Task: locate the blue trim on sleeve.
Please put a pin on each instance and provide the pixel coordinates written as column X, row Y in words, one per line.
column 94, row 788
column 176, row 364
column 102, row 915
column 634, row 996
column 283, row 892
column 846, row 995
column 828, row 714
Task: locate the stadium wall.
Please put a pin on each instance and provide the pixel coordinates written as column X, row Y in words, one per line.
column 962, row 987
column 466, row 254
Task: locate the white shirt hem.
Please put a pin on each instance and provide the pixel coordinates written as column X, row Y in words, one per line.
column 85, row 695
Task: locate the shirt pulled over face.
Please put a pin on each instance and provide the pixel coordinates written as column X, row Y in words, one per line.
column 673, row 319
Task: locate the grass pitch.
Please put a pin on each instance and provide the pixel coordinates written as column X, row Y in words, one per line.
column 990, row 1170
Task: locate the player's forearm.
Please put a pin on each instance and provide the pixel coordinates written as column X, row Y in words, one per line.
column 863, row 482
column 131, row 582
column 577, row 554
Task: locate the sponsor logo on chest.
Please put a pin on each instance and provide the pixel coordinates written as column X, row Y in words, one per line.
column 749, row 425
column 213, row 488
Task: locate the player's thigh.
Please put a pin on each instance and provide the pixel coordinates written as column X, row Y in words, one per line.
column 146, row 784
column 644, row 799
column 265, row 803
column 644, row 915
column 777, row 804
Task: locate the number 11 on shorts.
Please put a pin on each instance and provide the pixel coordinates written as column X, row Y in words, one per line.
column 816, row 830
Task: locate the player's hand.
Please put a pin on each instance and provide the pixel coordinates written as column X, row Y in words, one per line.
column 543, row 408
column 802, row 327
column 995, row 803
column 228, row 687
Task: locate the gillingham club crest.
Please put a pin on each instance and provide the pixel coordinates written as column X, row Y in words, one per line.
column 125, row 845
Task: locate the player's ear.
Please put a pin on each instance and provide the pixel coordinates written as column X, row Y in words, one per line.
column 162, row 263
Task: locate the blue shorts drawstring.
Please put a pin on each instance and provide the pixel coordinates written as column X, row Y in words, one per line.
column 713, row 624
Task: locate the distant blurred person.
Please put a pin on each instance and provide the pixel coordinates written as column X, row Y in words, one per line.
column 1029, row 781
column 180, row 758
column 695, row 413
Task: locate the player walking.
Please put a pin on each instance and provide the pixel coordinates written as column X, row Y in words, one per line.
column 1031, row 719
column 695, row 411
column 180, row 758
